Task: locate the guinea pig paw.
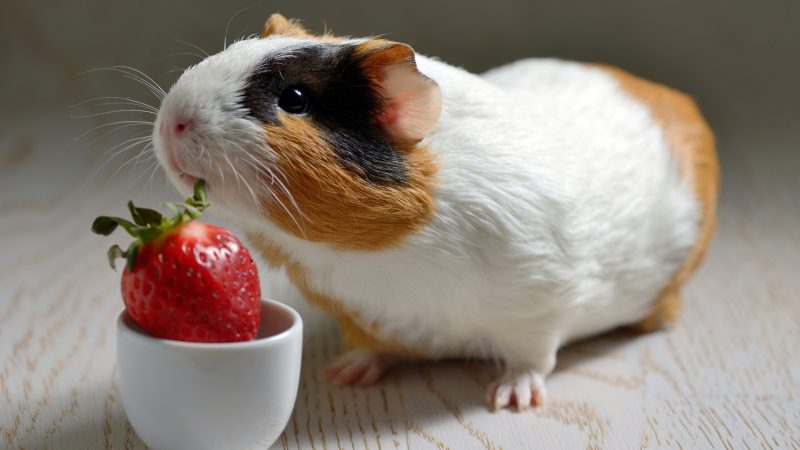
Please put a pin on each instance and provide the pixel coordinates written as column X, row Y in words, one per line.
column 523, row 389
column 359, row 367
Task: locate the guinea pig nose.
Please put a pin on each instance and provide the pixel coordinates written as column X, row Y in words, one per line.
column 182, row 125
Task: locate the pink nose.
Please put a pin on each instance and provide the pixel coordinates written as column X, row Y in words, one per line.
column 182, row 125
column 175, row 127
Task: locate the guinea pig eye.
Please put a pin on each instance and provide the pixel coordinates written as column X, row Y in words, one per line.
column 294, row 100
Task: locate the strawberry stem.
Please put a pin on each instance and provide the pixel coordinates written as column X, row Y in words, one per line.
column 149, row 224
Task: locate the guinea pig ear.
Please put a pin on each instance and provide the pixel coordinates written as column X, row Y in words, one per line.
column 412, row 102
column 277, row 24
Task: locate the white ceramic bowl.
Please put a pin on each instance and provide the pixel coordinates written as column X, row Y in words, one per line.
column 182, row 395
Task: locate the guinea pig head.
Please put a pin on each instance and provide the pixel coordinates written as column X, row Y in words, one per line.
column 321, row 136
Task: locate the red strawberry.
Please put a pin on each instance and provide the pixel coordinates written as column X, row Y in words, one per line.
column 186, row 280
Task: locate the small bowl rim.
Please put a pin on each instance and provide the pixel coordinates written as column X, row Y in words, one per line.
column 141, row 336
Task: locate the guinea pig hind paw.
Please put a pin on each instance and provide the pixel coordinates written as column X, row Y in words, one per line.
column 523, row 389
column 359, row 367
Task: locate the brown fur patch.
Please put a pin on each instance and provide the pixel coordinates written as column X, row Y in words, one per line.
column 378, row 53
column 338, row 205
column 692, row 142
column 276, row 24
column 358, row 333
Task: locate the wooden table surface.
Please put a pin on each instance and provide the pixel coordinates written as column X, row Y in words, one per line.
column 727, row 376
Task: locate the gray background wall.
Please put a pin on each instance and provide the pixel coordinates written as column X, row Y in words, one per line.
column 740, row 59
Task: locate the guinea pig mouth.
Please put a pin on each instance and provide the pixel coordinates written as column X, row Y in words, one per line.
column 176, row 167
column 189, row 179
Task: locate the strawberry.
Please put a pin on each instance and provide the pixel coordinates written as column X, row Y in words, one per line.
column 184, row 279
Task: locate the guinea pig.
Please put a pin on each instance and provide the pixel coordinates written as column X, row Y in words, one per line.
column 441, row 214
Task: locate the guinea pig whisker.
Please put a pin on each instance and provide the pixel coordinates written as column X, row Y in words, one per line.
column 283, row 189
column 152, row 86
column 137, row 136
column 242, row 151
column 276, row 174
column 208, row 156
column 228, row 25
column 148, row 160
column 147, row 152
column 172, row 55
column 151, row 82
column 113, row 130
column 128, row 144
column 252, row 194
column 116, row 111
column 155, row 92
column 241, row 35
column 286, row 192
column 242, row 180
column 151, row 169
column 202, row 151
column 221, row 175
column 136, row 157
column 152, row 110
column 192, row 45
column 233, row 169
column 260, row 167
column 122, row 100
column 257, row 167
column 155, row 168
column 119, row 122
column 141, row 137
column 291, row 216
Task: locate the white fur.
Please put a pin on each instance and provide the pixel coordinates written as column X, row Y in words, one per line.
column 559, row 214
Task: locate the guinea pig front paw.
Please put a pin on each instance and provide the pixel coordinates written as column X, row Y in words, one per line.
column 358, row 367
column 521, row 387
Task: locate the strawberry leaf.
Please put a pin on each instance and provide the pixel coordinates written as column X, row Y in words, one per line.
column 145, row 216
column 106, row 225
column 113, row 253
column 151, row 216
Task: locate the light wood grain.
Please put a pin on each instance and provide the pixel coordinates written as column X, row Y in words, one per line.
column 727, row 376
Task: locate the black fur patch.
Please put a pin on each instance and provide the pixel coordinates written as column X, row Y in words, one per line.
column 343, row 102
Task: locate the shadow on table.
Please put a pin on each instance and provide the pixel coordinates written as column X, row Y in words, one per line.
column 597, row 347
column 411, row 397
